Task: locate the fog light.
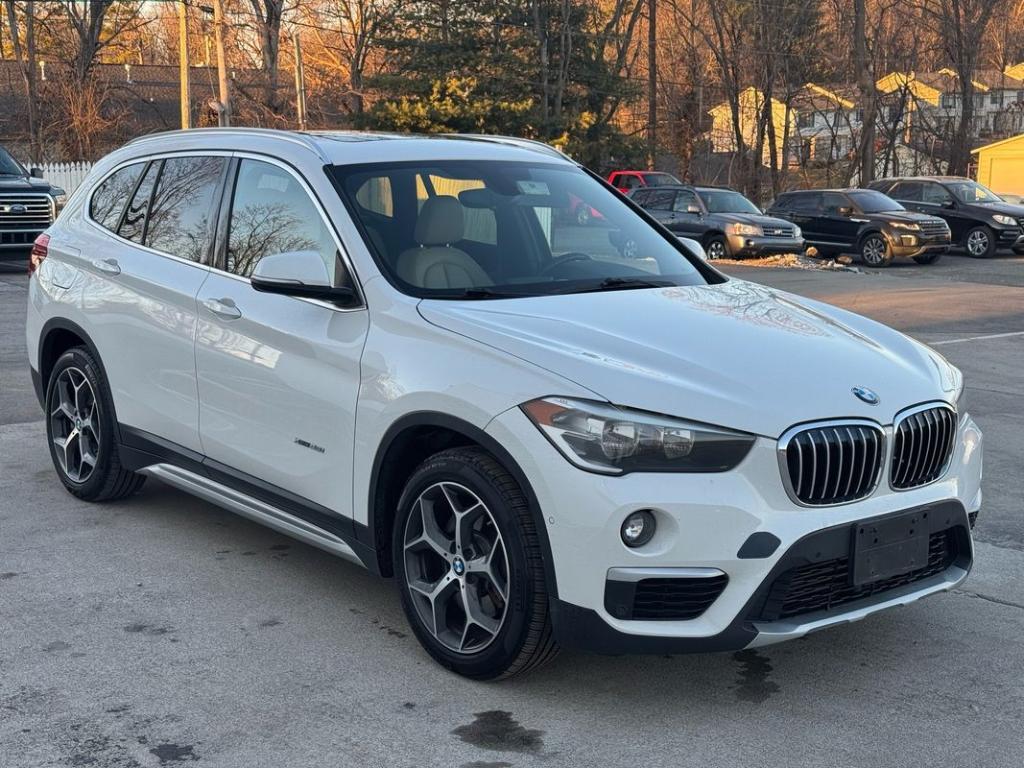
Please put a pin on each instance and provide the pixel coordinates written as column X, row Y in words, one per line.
column 908, row 239
column 638, row 528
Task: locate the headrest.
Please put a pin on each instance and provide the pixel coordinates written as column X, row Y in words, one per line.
column 440, row 221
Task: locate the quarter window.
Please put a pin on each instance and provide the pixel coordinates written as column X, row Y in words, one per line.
column 133, row 226
column 183, row 209
column 110, row 197
column 271, row 213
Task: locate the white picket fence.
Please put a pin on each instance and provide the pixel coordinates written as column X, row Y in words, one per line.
column 67, row 176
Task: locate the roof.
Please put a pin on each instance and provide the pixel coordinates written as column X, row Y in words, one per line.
column 1000, row 143
column 348, row 147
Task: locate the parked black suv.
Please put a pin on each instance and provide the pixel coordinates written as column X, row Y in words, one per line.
column 865, row 222
column 724, row 221
column 28, row 205
column 980, row 220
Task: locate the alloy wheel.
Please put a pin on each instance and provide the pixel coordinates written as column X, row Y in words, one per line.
column 977, row 243
column 456, row 567
column 74, row 425
column 716, row 250
column 873, row 251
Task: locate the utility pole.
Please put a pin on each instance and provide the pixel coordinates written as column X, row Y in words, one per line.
column 224, row 108
column 300, row 82
column 183, row 73
column 652, row 83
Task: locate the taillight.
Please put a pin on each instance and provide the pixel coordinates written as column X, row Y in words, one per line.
column 39, row 250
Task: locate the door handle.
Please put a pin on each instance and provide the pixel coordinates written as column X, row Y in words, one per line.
column 224, row 308
column 107, row 266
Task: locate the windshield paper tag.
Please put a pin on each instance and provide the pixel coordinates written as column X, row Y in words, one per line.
column 533, row 188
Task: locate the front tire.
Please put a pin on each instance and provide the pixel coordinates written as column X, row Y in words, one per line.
column 717, row 248
column 875, row 251
column 468, row 562
column 81, row 429
column 980, row 243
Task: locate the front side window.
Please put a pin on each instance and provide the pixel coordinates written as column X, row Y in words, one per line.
column 111, row 196
column 9, row 166
column 934, row 194
column 831, row 202
column 272, row 213
column 493, row 229
column 133, row 225
column 183, row 210
column 684, row 199
column 628, row 181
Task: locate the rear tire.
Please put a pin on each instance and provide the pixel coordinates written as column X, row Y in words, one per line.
column 875, row 251
column 81, row 430
column 980, row 243
column 442, row 576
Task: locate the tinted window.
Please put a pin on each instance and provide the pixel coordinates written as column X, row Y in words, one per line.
column 627, row 181
column 9, row 166
column 870, row 201
column 972, row 192
column 271, row 213
column 660, row 179
column 831, row 202
column 934, row 194
column 110, row 197
column 809, row 202
column 907, row 190
column 134, row 224
column 727, row 201
column 183, row 209
column 640, row 198
column 660, row 200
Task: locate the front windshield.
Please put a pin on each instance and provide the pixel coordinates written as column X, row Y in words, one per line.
column 869, row 201
column 726, row 201
column 487, row 229
column 972, row 192
column 660, row 179
column 9, row 166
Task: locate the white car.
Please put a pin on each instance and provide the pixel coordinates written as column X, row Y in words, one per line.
column 406, row 351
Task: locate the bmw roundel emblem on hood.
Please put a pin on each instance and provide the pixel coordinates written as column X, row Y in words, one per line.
column 865, row 394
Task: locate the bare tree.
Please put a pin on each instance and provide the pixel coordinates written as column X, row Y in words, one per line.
column 25, row 55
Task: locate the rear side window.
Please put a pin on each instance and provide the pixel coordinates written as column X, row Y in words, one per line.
column 271, row 213
column 184, row 207
column 660, row 200
column 110, row 197
column 907, row 190
column 809, row 202
column 133, row 226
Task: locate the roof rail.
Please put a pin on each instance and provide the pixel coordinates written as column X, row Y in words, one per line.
column 293, row 136
column 530, row 144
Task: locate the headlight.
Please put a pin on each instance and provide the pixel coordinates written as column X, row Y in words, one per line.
column 1007, row 221
column 905, row 225
column 797, row 232
column 744, row 229
column 60, row 197
column 604, row 438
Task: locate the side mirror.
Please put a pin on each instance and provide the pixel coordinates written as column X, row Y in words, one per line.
column 297, row 273
column 845, row 210
column 691, row 208
column 948, row 204
column 36, row 173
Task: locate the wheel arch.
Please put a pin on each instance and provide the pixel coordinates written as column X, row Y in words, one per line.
column 57, row 336
column 406, row 444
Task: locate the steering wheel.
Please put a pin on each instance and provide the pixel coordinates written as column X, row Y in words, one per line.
column 565, row 259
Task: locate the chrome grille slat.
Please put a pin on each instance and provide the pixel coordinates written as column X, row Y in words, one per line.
column 923, row 440
column 831, row 463
column 35, row 210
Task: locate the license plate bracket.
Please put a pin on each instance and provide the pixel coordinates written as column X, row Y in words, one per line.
column 889, row 547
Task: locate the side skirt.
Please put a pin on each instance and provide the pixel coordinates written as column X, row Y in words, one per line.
column 255, row 510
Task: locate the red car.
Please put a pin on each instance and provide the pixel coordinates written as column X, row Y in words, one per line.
column 627, row 180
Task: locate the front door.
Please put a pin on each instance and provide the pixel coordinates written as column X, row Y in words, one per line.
column 279, row 375
column 839, row 224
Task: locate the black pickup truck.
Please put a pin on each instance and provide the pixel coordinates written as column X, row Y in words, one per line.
column 28, row 205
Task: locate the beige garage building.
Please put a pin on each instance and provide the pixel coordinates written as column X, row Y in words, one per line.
column 1001, row 166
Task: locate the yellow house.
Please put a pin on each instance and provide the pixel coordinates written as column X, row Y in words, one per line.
column 1001, row 166
column 1016, row 71
column 751, row 102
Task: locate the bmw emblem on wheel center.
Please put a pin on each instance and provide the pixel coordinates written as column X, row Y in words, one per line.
column 865, row 394
column 458, row 566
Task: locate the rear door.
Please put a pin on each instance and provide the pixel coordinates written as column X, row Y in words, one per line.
column 279, row 375
column 143, row 264
column 661, row 204
column 804, row 210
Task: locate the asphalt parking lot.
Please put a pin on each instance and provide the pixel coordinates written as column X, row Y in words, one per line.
column 162, row 631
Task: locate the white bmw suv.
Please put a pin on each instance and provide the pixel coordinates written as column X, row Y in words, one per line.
column 409, row 352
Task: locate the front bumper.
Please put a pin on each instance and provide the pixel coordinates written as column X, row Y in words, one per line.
column 906, row 245
column 1010, row 237
column 742, row 245
column 704, row 521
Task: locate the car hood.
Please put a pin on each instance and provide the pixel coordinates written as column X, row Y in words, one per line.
column 22, row 184
column 908, row 216
column 734, row 354
column 752, row 218
column 1007, row 209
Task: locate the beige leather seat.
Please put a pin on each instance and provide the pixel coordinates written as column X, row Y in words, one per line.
column 435, row 263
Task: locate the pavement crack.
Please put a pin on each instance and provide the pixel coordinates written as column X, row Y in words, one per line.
column 988, row 598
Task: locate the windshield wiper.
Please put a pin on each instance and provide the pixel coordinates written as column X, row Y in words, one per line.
column 620, row 284
column 486, row 293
